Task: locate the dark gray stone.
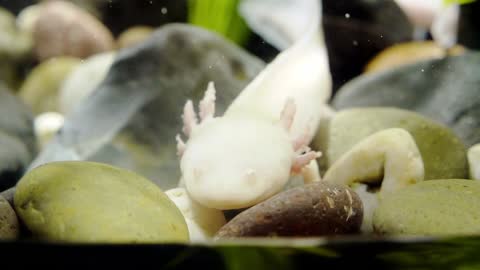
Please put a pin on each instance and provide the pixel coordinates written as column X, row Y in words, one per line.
column 445, row 90
column 16, row 119
column 17, row 139
column 14, row 158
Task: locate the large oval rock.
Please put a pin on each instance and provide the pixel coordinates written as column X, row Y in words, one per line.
column 41, row 90
column 312, row 210
column 443, row 154
column 445, row 90
column 91, row 202
column 440, row 207
column 64, row 29
column 9, row 226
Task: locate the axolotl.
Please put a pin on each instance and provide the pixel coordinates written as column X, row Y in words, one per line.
column 250, row 153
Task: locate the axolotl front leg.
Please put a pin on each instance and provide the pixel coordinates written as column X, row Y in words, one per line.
column 304, row 162
column 239, row 160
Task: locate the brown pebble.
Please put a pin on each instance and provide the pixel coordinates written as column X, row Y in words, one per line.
column 318, row 209
column 65, row 29
column 9, row 226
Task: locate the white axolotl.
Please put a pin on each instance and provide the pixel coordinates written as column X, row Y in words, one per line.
column 249, row 154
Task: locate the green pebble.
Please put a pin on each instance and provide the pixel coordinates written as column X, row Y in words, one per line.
column 443, row 154
column 431, row 208
column 40, row 91
column 93, row 202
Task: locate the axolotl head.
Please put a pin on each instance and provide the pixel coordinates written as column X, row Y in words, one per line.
column 236, row 161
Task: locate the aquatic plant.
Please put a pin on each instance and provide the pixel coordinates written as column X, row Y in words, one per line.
column 219, row 16
column 461, row 2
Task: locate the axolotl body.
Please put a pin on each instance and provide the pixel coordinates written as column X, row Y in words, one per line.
column 249, row 154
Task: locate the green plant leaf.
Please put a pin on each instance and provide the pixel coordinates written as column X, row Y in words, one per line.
column 461, row 2
column 219, row 16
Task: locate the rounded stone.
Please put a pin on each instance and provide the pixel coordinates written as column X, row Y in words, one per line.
column 134, row 36
column 313, row 210
column 409, row 53
column 443, row 153
column 40, row 91
column 444, row 90
column 9, row 226
column 65, row 29
column 27, row 18
column 15, row 49
column 93, row 202
column 431, row 208
column 15, row 43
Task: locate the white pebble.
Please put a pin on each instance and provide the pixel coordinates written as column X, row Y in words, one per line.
column 46, row 125
column 474, row 162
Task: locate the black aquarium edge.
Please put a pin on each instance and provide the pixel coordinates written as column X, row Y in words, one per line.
column 397, row 253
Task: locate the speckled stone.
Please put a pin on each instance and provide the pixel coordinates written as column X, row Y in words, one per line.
column 313, row 210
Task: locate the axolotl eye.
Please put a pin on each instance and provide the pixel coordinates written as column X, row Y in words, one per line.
column 236, row 162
